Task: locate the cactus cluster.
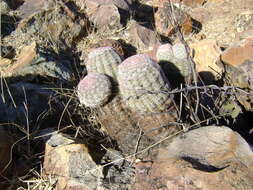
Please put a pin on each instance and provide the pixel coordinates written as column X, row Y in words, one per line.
column 140, row 80
column 104, row 60
column 94, row 89
column 176, row 55
column 143, row 84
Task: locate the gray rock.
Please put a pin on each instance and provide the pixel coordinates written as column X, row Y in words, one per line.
column 22, row 101
column 211, row 146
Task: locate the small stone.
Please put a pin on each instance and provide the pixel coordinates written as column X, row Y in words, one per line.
column 190, row 3
column 143, row 38
column 238, row 52
column 164, row 22
column 30, row 7
column 112, row 21
column 245, row 34
column 206, row 53
column 71, row 164
column 4, row 7
column 91, row 5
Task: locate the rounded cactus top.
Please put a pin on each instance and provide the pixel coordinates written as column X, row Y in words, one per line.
column 94, row 89
column 165, row 53
column 100, row 51
column 137, row 61
column 141, row 68
column 179, row 51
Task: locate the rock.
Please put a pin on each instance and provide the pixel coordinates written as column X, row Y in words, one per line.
column 190, row 3
column 164, row 22
column 180, row 175
column 119, row 174
column 211, row 146
column 238, row 52
column 32, row 61
column 143, row 38
column 200, row 14
column 91, row 5
column 30, row 7
column 117, row 12
column 117, row 46
column 241, row 76
column 71, row 164
column 60, row 27
column 19, row 96
column 4, row 7
column 215, row 143
column 244, row 20
column 238, row 64
column 206, row 53
column 223, row 24
column 111, row 22
column 245, row 34
column 193, row 3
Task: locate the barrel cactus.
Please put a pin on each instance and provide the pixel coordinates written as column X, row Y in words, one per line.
column 143, row 84
column 176, row 55
column 104, row 60
column 94, row 90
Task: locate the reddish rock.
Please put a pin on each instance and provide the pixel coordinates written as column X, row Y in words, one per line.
column 175, row 167
column 94, row 4
column 165, row 24
column 200, row 14
column 245, row 34
column 223, row 24
column 211, row 146
column 144, row 38
column 30, row 7
column 180, row 175
column 71, row 164
column 190, row 3
column 110, row 22
column 238, row 53
column 206, row 53
column 109, row 43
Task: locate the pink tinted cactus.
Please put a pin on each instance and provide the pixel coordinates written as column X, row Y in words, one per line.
column 143, row 84
column 104, row 60
column 176, row 55
column 94, row 90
